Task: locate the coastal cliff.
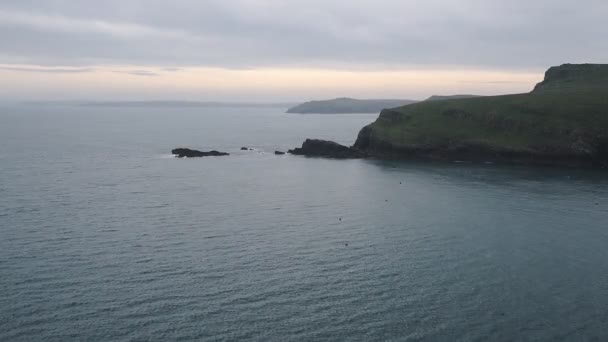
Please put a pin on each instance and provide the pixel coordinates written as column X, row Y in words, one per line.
column 563, row 121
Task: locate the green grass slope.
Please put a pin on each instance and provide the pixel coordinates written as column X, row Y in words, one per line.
column 563, row 121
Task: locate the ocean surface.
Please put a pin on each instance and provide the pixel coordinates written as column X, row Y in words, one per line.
column 105, row 237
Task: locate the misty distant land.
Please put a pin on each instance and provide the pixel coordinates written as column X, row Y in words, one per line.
column 334, row 106
column 172, row 103
column 346, row 105
column 451, row 97
column 166, row 104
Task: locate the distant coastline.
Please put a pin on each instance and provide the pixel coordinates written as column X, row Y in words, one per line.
column 183, row 104
column 451, row 97
column 345, row 105
column 165, row 104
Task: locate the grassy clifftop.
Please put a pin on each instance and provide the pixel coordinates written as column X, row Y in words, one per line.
column 563, row 121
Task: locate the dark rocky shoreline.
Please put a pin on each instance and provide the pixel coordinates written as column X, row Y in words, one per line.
column 449, row 153
column 327, row 149
column 479, row 153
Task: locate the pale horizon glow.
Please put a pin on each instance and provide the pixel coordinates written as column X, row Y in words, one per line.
column 28, row 82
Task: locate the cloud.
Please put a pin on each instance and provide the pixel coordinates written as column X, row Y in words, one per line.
column 71, row 70
column 493, row 82
column 245, row 34
column 138, row 72
column 59, row 23
column 47, row 70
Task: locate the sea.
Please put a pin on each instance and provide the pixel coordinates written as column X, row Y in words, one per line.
column 105, row 236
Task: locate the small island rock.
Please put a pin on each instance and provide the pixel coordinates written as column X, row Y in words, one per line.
column 188, row 153
column 327, row 149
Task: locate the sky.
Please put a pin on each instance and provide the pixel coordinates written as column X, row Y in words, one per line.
column 280, row 50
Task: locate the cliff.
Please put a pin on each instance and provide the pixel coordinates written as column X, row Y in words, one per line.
column 563, row 121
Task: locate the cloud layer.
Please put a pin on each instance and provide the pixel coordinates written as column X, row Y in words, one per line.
column 241, row 34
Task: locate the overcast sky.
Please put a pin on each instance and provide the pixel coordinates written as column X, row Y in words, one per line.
column 289, row 50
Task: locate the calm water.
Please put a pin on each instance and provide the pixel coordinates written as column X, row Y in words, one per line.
column 105, row 237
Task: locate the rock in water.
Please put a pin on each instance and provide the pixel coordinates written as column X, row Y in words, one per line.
column 279, row 153
column 188, row 153
column 244, row 149
column 327, row 149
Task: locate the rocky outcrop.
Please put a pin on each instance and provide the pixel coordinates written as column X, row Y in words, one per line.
column 577, row 77
column 188, row 153
column 327, row 149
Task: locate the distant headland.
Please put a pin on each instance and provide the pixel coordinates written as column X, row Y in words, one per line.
column 450, row 97
column 346, row 105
